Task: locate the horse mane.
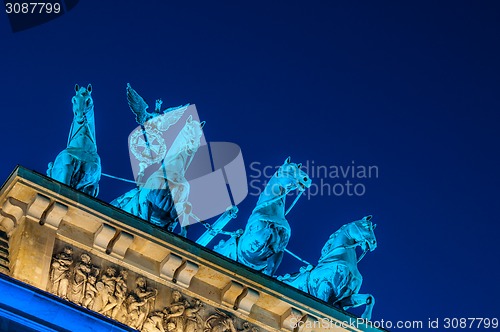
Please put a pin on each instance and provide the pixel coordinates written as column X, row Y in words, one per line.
column 327, row 246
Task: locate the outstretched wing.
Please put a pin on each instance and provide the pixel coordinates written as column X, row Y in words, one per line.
column 170, row 117
column 137, row 105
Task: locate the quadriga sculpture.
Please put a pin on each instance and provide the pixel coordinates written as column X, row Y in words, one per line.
column 166, row 191
column 262, row 244
column 336, row 278
column 79, row 165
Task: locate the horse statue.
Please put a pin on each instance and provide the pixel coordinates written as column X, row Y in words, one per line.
column 164, row 196
column 262, row 244
column 336, row 278
column 79, row 165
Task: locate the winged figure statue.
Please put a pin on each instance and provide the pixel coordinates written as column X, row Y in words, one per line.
column 140, row 108
column 146, row 142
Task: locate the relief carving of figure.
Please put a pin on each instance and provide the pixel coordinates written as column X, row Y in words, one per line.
column 106, row 288
column 91, row 290
column 119, row 311
column 154, row 323
column 142, row 302
column 219, row 322
column 133, row 305
column 59, row 274
column 80, row 278
column 175, row 312
column 193, row 320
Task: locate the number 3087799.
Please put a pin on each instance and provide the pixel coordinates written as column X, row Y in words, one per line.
column 32, row 8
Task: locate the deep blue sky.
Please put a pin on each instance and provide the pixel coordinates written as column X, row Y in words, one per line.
column 410, row 88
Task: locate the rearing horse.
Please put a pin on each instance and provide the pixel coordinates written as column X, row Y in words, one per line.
column 79, row 165
column 164, row 196
column 336, row 278
column 262, row 244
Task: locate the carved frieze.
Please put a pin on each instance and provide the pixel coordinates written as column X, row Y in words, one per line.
column 131, row 298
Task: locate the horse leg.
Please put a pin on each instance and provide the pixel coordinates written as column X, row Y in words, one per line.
column 91, row 189
column 356, row 300
column 272, row 263
column 95, row 190
column 63, row 168
column 183, row 231
column 322, row 288
column 91, row 176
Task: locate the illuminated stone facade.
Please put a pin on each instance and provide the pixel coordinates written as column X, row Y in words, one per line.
column 115, row 270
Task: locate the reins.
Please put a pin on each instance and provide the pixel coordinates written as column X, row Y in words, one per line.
column 85, row 124
column 354, row 245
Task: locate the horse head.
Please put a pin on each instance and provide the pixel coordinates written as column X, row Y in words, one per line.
column 362, row 232
column 290, row 176
column 82, row 102
column 354, row 234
